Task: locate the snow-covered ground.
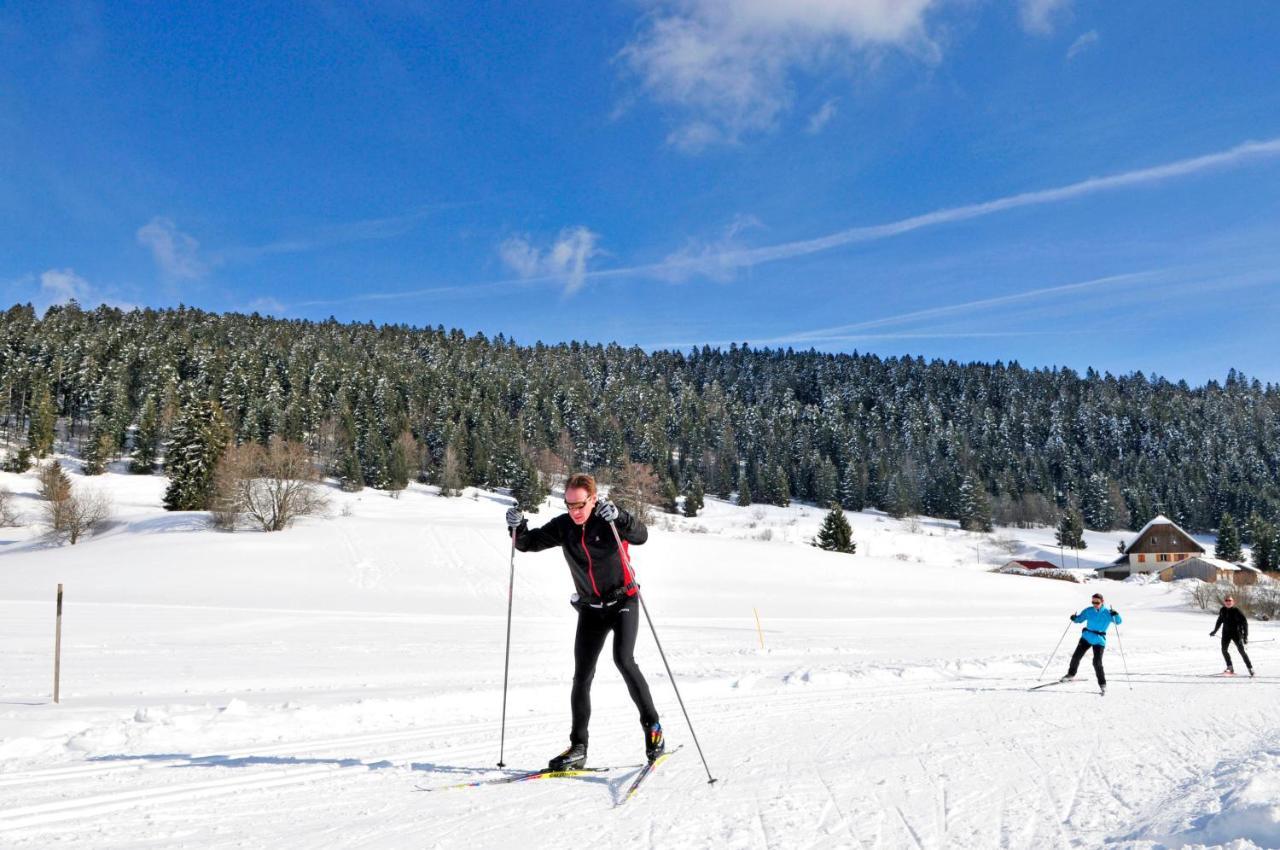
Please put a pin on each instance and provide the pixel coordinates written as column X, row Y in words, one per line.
column 294, row 690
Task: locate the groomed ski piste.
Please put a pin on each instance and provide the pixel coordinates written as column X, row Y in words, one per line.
column 293, row 690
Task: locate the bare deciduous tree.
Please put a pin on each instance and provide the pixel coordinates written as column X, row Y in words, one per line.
column 272, row 486
column 9, row 514
column 68, row 519
column 634, row 487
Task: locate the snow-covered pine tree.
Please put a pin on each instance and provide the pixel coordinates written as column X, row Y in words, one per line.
column 146, row 439
column 693, row 499
column 1095, row 504
column 974, row 507
column 670, row 497
column 196, row 442
column 1071, row 531
column 1228, row 546
column 835, row 535
column 40, row 432
column 744, row 490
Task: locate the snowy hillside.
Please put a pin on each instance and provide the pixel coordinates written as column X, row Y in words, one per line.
column 295, row 690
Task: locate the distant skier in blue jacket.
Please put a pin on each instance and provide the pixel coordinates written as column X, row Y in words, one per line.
column 1096, row 618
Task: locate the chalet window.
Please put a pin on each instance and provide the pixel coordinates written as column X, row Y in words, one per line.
column 1163, row 556
column 1142, row 559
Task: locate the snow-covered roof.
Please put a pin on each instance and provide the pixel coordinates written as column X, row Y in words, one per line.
column 1033, row 565
column 1159, row 519
column 1223, row 565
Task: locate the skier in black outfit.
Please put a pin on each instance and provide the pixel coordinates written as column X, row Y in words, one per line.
column 1234, row 628
column 605, row 600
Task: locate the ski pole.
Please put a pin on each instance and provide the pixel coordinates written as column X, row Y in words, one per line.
column 1055, row 651
column 645, row 608
column 506, row 664
column 1120, row 644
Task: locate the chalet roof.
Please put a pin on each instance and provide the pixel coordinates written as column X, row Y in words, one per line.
column 1221, row 564
column 1159, row 519
column 1034, row 565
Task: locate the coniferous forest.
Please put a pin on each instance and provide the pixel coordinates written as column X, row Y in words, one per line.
column 378, row 405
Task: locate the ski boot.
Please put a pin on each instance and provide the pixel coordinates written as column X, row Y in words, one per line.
column 571, row 759
column 1102, row 690
column 654, row 743
column 1066, row 679
column 1250, row 672
column 1228, row 672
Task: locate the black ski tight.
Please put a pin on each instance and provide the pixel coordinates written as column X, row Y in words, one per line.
column 1081, row 647
column 594, row 625
column 1226, row 645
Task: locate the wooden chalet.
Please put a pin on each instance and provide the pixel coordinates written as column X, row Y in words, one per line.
column 1161, row 542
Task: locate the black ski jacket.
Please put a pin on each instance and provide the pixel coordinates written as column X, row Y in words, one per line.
column 590, row 550
column 1233, row 624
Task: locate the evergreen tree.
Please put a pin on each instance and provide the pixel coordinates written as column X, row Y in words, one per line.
column 1228, row 546
column 693, row 499
column 835, row 535
column 974, row 507
column 19, row 461
column 146, row 440
column 530, row 490
column 40, row 433
column 1095, row 504
column 853, row 488
column 397, row 469
column 826, row 483
column 196, row 443
column 778, row 487
column 1071, row 531
column 1262, row 535
column 100, row 448
column 350, row 475
column 744, row 491
column 670, row 497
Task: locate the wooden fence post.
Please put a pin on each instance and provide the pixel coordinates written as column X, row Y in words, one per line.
column 57, row 648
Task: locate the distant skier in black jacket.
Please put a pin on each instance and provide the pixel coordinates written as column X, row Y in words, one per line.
column 605, row 600
column 1234, row 628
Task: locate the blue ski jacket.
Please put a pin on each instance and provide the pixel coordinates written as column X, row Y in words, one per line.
column 1095, row 624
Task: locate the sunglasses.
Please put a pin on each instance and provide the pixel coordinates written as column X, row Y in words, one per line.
column 1228, row 600
column 573, row 506
column 1097, row 602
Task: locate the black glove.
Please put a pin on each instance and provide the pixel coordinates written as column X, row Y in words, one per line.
column 606, row 510
column 514, row 517
column 1213, row 633
column 1114, row 613
column 1071, row 617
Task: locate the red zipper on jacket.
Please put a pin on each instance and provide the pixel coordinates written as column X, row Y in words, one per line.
column 591, row 573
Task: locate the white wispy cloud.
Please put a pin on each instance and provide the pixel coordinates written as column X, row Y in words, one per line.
column 1082, row 44
column 566, row 259
column 1083, row 188
column 819, row 119
column 700, row 257
column 60, row 286
column 177, row 254
column 1038, row 16
column 718, row 262
column 724, row 66
column 1029, row 313
column 330, row 236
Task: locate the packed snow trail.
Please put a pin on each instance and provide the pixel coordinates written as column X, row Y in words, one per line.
column 292, row 690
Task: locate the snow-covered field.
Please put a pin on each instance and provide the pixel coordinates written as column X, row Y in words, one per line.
column 295, row 690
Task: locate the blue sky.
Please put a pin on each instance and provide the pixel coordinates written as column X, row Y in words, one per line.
column 1056, row 182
